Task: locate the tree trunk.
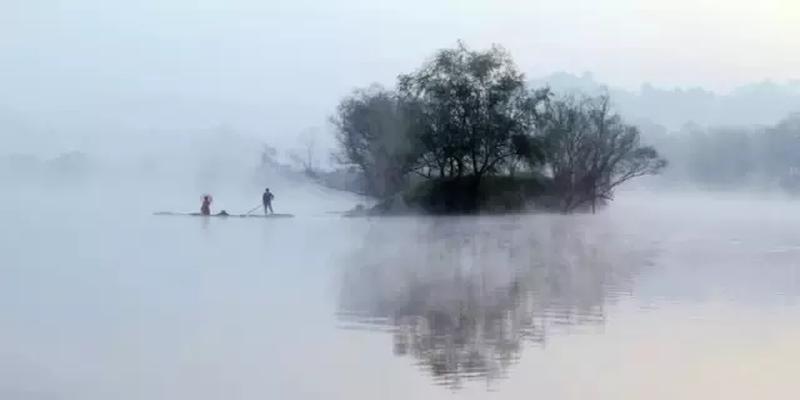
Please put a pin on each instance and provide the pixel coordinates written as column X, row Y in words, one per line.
column 474, row 192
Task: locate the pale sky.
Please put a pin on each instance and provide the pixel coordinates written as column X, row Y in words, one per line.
column 276, row 68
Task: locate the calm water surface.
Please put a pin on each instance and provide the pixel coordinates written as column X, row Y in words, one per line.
column 656, row 297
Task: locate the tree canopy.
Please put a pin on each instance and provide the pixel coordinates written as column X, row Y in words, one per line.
column 376, row 131
column 590, row 151
column 477, row 112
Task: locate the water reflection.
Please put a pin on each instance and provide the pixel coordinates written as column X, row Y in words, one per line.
column 463, row 297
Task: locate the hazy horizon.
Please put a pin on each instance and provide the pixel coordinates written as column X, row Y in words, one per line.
column 117, row 134
column 91, row 76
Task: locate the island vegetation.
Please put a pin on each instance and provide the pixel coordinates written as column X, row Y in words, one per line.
column 465, row 133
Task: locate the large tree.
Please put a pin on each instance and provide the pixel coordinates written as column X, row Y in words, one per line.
column 591, row 151
column 476, row 112
column 376, row 131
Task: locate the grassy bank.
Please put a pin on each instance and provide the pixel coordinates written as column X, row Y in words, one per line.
column 466, row 195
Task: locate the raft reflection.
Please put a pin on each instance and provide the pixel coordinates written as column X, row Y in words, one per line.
column 464, row 296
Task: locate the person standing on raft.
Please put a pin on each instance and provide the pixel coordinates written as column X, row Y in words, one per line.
column 205, row 209
column 266, row 198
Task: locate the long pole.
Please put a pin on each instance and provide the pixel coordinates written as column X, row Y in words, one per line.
column 256, row 208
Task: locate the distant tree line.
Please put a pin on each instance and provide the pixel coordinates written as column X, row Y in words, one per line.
column 733, row 157
column 467, row 119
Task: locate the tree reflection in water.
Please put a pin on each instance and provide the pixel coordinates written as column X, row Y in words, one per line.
column 463, row 296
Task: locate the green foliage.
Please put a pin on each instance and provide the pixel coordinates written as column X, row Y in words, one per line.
column 467, row 116
column 590, row 151
column 376, row 132
column 475, row 108
column 466, row 195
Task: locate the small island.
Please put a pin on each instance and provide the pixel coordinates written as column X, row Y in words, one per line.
column 464, row 134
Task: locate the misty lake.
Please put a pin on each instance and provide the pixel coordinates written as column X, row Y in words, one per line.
column 656, row 297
